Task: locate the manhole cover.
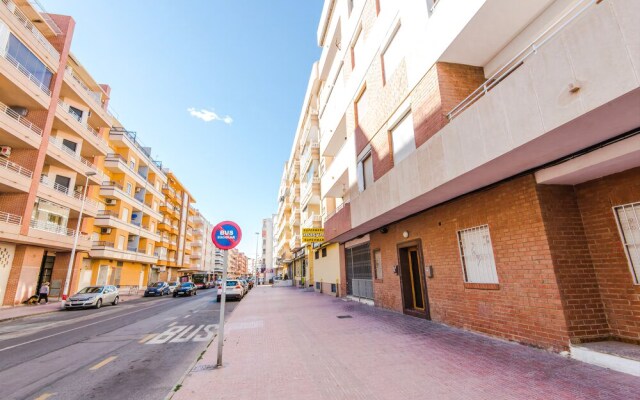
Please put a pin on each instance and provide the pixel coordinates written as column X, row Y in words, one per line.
column 344, row 316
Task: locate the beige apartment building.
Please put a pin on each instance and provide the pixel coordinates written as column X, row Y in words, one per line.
column 64, row 157
column 479, row 165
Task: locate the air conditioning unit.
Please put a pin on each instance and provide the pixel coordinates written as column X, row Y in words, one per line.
column 5, row 151
column 138, row 189
column 79, row 188
column 110, row 202
column 105, row 231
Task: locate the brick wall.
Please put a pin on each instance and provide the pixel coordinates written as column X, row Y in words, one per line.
column 13, row 203
column 575, row 274
column 25, row 158
column 526, row 306
column 26, row 259
column 620, row 297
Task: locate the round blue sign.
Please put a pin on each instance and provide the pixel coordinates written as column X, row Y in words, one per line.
column 226, row 235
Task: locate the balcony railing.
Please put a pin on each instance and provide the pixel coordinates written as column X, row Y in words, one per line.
column 24, row 21
column 58, row 143
column 10, row 218
column 53, row 228
column 65, row 190
column 112, row 184
column 93, row 95
column 25, row 72
column 67, row 108
column 517, row 61
column 11, row 166
column 102, row 243
column 25, row 122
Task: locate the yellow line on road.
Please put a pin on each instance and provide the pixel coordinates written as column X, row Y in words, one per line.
column 44, row 396
column 103, row 363
column 148, row 337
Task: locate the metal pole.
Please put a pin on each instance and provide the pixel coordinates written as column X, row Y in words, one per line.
column 75, row 241
column 255, row 261
column 223, row 299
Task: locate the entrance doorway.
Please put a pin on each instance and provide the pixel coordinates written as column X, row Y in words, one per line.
column 46, row 269
column 358, row 268
column 414, row 289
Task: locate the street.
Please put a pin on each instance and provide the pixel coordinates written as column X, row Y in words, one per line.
column 107, row 353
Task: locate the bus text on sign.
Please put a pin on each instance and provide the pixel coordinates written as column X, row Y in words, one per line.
column 226, row 235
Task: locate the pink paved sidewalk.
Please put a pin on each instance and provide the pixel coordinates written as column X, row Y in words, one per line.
column 283, row 343
column 23, row 310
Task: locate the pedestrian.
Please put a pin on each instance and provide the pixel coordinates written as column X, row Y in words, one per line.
column 44, row 293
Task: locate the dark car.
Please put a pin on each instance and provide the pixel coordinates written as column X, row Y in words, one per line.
column 157, row 289
column 250, row 283
column 185, row 289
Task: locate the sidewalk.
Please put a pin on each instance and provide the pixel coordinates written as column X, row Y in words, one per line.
column 283, row 343
column 20, row 311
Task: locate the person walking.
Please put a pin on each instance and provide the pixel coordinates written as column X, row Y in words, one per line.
column 44, row 293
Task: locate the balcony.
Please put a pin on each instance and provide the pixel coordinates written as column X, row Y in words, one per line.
column 107, row 250
column 168, row 191
column 14, row 175
column 164, row 226
column 71, row 159
column 309, row 156
column 9, row 225
column 313, row 221
column 311, row 192
column 92, row 98
column 336, row 180
column 294, row 242
column 337, row 222
column 56, row 236
column 21, row 80
column 19, row 127
column 86, row 132
column 50, row 190
column 109, row 219
column 120, row 136
column 114, row 190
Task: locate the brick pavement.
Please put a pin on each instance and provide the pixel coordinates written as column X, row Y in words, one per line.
column 283, row 343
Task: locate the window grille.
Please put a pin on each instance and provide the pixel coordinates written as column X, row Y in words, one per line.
column 628, row 217
column 476, row 253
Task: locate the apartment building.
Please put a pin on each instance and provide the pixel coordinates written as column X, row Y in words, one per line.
column 127, row 242
column 203, row 256
column 236, row 263
column 480, row 165
column 266, row 258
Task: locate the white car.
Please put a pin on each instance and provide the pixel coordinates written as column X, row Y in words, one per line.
column 93, row 296
column 234, row 290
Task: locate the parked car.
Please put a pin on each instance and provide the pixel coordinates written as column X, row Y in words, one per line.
column 157, row 289
column 245, row 285
column 251, row 283
column 233, row 290
column 93, row 296
column 173, row 286
column 185, row 289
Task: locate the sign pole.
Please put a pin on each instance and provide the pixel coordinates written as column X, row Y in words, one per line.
column 223, row 300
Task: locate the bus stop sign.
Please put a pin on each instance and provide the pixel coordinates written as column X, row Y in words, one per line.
column 226, row 235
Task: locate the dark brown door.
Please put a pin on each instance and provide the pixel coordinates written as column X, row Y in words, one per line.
column 413, row 286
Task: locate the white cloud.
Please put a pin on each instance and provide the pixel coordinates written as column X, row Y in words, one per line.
column 209, row 115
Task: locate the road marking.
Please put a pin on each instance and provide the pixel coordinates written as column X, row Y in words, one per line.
column 146, row 338
column 170, row 318
column 75, row 329
column 45, row 396
column 184, row 333
column 172, row 324
column 103, row 363
column 187, row 316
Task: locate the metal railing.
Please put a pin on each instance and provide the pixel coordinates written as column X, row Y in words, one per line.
column 11, row 166
column 60, row 145
column 362, row 288
column 517, row 61
column 53, row 228
column 67, row 108
column 10, row 218
column 102, row 243
column 66, row 191
column 24, row 21
column 113, row 184
column 22, row 120
column 26, row 72
column 93, row 95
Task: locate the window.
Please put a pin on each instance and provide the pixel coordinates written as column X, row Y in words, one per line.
column 356, row 49
column 129, row 187
column 324, row 252
column 125, row 214
column 62, row 183
column 476, row 253
column 70, row 145
column 402, row 139
column 377, row 263
column 629, row 223
column 121, row 242
column 392, row 55
column 132, row 164
column 361, row 105
column 316, row 254
column 365, row 172
column 28, row 60
column 76, row 112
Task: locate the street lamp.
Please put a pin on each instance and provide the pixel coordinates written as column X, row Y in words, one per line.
column 65, row 291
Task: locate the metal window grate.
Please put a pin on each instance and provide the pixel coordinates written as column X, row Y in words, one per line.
column 628, row 217
column 476, row 253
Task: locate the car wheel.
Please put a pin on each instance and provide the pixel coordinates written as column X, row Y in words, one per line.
column 175, row 295
column 116, row 300
column 99, row 304
column 195, row 293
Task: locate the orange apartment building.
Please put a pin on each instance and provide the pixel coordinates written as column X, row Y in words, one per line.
column 483, row 171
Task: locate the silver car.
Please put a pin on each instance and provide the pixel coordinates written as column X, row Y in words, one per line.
column 94, row 296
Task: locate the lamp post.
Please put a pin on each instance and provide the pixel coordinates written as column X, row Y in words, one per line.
column 255, row 261
column 65, row 291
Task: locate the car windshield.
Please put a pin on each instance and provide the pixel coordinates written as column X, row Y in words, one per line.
column 186, row 284
column 172, row 284
column 157, row 284
column 92, row 289
column 232, row 283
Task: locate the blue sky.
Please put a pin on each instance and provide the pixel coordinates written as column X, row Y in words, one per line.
column 244, row 61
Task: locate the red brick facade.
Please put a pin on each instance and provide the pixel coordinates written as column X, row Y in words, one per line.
column 563, row 275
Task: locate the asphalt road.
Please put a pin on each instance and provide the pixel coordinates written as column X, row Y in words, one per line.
column 135, row 350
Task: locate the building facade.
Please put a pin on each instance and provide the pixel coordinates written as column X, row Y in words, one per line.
column 266, row 259
column 486, row 184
